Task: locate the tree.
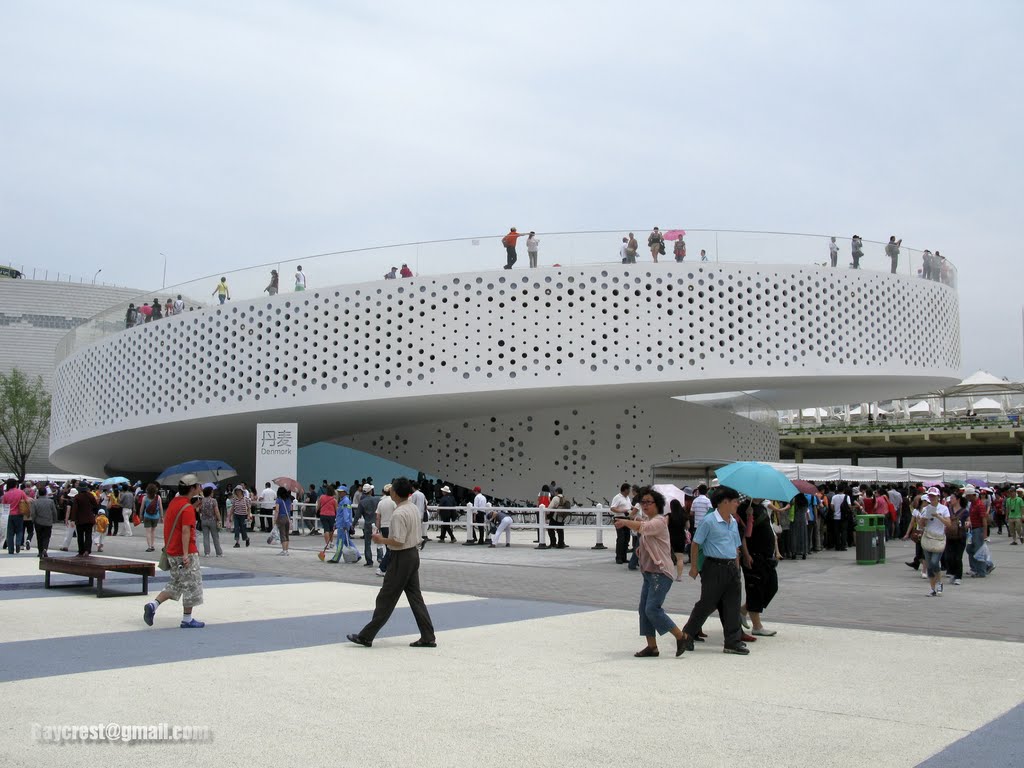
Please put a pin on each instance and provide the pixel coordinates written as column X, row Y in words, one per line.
column 24, row 418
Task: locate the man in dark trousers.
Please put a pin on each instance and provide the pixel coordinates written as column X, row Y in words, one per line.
column 720, row 588
column 403, row 574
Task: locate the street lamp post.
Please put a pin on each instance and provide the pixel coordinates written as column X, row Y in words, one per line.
column 96, row 275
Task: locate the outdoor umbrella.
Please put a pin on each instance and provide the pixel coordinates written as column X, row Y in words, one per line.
column 670, row 492
column 115, row 481
column 804, row 487
column 757, row 480
column 288, row 484
column 207, row 470
column 977, row 482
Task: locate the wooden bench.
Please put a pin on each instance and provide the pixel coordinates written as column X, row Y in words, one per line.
column 95, row 568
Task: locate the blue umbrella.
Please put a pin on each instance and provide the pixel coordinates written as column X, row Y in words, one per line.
column 207, row 470
column 116, row 481
column 757, row 480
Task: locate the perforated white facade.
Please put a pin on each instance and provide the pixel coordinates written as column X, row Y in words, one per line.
column 364, row 360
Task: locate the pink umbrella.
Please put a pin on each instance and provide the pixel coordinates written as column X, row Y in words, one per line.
column 672, row 234
column 289, row 484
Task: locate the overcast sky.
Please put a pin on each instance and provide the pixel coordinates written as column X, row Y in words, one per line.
column 228, row 134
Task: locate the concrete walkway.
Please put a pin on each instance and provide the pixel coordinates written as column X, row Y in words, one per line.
column 534, row 666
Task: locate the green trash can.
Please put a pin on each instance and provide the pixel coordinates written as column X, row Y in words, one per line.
column 865, row 538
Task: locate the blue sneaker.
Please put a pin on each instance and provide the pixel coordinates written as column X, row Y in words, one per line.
column 148, row 612
column 193, row 624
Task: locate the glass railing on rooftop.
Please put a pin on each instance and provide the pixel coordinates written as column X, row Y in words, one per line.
column 473, row 254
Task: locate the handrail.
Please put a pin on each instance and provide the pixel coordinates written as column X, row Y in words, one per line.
column 471, row 254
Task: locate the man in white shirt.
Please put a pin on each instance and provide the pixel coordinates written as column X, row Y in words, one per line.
column 621, row 507
column 420, row 501
column 833, row 252
column 479, row 519
column 267, row 501
column 385, row 508
column 700, row 506
column 179, row 305
column 300, row 279
column 839, row 519
column 403, row 575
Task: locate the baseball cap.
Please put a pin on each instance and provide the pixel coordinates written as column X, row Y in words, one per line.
column 367, row 488
column 935, row 492
column 476, row 489
column 343, row 487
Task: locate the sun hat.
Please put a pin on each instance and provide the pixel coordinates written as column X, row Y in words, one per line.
column 933, row 492
column 445, row 489
column 367, row 488
column 970, row 490
column 387, row 487
column 189, row 480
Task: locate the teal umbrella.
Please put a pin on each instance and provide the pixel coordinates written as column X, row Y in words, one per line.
column 757, row 480
column 116, row 481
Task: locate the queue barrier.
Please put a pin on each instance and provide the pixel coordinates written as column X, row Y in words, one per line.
column 304, row 518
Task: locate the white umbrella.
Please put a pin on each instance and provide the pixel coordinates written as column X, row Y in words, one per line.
column 670, row 492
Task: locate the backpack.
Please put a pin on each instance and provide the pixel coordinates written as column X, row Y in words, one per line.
column 508, row 241
column 566, row 503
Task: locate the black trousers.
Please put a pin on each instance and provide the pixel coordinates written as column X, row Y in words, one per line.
column 403, row 575
column 447, row 517
column 552, row 537
column 510, row 256
column 840, row 535
column 480, row 526
column 84, row 533
column 719, row 590
column 954, row 557
column 43, row 539
column 762, row 582
column 621, row 544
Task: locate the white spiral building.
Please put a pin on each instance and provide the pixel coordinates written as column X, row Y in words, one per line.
column 506, row 379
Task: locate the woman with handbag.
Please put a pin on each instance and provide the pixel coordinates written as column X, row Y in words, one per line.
column 935, row 522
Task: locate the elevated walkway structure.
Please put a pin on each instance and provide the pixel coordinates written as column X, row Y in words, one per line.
column 502, row 378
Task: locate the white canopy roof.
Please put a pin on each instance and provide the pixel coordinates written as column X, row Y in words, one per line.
column 987, row 404
column 920, row 407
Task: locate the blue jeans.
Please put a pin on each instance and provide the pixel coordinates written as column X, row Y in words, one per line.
column 934, row 561
column 15, row 530
column 652, row 616
column 980, row 569
column 241, row 527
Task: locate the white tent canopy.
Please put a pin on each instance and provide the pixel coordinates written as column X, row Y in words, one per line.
column 920, row 407
column 834, row 473
column 987, row 404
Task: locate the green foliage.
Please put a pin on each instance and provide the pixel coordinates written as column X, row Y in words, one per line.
column 24, row 418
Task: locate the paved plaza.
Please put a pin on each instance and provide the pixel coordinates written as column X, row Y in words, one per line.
column 534, row 666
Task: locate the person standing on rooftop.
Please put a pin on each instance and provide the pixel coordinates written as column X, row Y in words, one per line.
column 679, row 249
column 221, row 291
column 833, row 252
column 300, row 279
column 892, row 250
column 509, row 241
column 857, row 250
column 392, row 275
column 656, row 242
column 532, row 244
column 272, row 286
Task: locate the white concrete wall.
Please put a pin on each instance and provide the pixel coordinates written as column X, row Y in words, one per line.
column 358, row 358
column 34, row 316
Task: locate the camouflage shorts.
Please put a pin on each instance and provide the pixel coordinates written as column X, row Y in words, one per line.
column 186, row 582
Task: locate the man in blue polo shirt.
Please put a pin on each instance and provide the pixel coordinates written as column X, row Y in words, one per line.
column 720, row 587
